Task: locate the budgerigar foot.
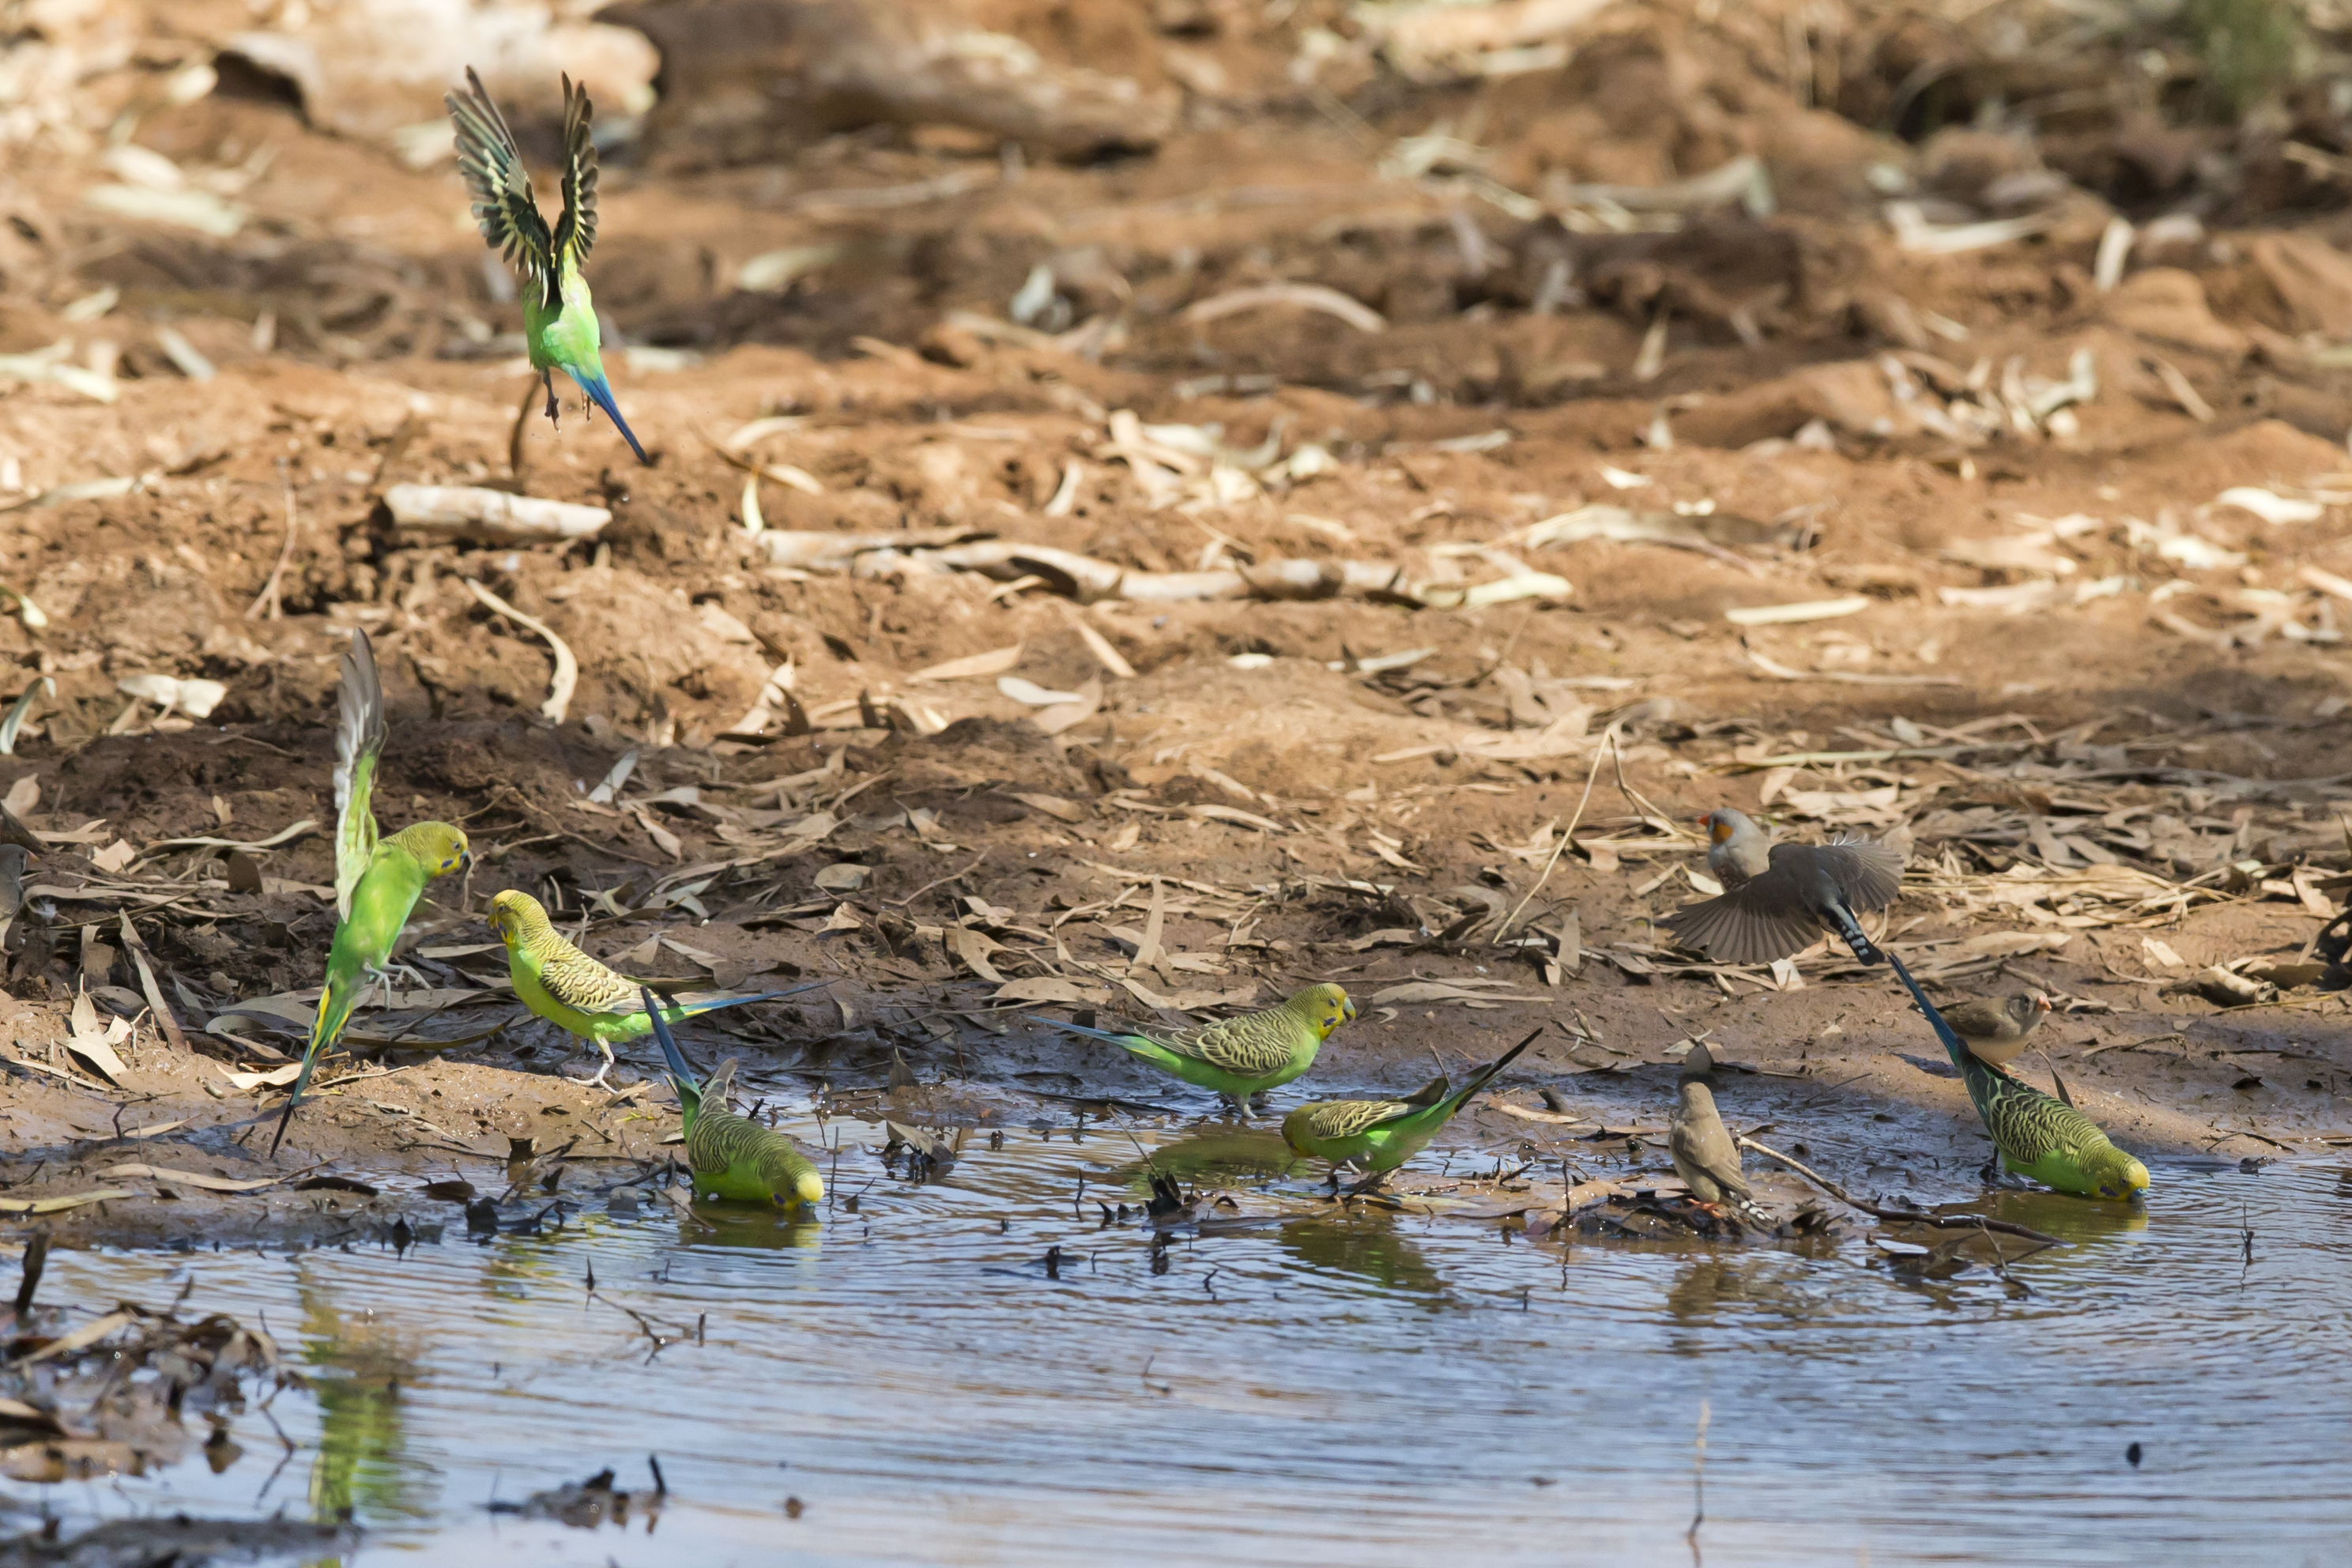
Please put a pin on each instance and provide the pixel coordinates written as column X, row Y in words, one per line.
column 1370, row 1184
column 554, row 412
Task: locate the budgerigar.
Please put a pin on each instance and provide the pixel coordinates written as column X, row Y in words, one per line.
column 377, row 881
column 576, row 992
column 1996, row 1030
column 560, row 327
column 2036, row 1135
column 1706, row 1155
column 732, row 1156
column 1242, row 1055
column 1779, row 898
column 1379, row 1135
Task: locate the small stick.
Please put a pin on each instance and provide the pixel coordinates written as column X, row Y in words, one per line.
column 1608, row 738
column 1907, row 1216
column 268, row 596
column 522, row 418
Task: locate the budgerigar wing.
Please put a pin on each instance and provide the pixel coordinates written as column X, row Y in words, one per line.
column 359, row 743
column 503, row 204
column 576, row 980
column 2028, row 1125
column 1338, row 1119
column 1251, row 1046
column 575, row 231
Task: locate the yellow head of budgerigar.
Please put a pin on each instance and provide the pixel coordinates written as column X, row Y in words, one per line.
column 2114, row 1174
column 808, row 1188
column 1327, row 1007
column 440, row 848
column 514, row 916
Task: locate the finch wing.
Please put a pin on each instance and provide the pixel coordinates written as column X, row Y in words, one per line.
column 359, row 743
column 1759, row 923
column 1869, row 874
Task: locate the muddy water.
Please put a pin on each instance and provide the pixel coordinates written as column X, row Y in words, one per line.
column 1295, row 1389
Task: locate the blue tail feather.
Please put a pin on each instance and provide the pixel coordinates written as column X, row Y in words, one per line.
column 1090, row 1032
column 1953, row 1045
column 690, row 1090
column 697, row 1009
column 600, row 392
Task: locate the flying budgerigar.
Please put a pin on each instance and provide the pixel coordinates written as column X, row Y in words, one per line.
column 2035, row 1134
column 1379, row 1135
column 1242, row 1055
column 559, row 318
column 579, row 996
column 1779, row 898
column 377, row 881
column 732, row 1156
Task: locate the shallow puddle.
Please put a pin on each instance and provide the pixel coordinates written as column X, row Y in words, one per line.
column 1299, row 1387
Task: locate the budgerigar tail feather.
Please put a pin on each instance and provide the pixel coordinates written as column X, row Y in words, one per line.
column 689, row 1092
column 1850, row 932
column 697, row 1009
column 1485, row 1075
column 600, row 392
column 1086, row 1029
column 334, row 1013
column 1954, row 1046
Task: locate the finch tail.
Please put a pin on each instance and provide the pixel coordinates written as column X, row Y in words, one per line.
column 1850, row 932
column 600, row 392
column 334, row 1011
column 689, row 1093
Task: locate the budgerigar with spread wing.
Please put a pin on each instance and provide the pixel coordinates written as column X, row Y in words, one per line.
column 559, row 329
column 377, row 880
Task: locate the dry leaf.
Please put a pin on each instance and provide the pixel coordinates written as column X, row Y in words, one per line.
column 994, row 662
column 114, row 857
column 973, row 947
column 1053, row 805
column 2161, row 953
column 1053, row 988
column 1790, row 615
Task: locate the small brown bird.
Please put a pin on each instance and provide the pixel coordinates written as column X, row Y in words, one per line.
column 1705, row 1155
column 1996, row 1027
column 1780, row 899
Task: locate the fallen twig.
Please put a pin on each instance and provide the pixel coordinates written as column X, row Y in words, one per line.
column 1905, row 1217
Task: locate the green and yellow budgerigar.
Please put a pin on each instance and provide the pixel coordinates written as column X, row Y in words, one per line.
column 2036, row 1135
column 377, row 881
column 560, row 327
column 1242, row 1055
column 1379, row 1135
column 732, row 1156
column 577, row 994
